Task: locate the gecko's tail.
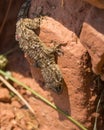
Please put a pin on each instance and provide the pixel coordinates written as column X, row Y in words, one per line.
column 23, row 13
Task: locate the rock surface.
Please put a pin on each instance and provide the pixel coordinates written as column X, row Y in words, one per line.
column 97, row 3
column 62, row 26
column 4, row 95
column 18, row 119
column 92, row 37
column 7, row 23
column 69, row 64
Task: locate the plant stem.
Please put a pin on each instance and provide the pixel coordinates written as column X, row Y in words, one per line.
column 10, row 51
column 9, row 86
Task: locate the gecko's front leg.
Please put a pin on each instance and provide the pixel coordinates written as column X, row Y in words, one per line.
column 56, row 49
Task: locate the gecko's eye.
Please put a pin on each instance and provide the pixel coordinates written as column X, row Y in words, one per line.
column 58, row 89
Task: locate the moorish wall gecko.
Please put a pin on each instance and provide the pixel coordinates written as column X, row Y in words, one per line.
column 39, row 53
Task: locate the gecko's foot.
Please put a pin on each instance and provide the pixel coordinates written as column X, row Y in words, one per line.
column 57, row 48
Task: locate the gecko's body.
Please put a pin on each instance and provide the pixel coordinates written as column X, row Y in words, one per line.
column 39, row 53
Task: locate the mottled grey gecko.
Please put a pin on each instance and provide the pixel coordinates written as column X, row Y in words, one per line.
column 39, row 53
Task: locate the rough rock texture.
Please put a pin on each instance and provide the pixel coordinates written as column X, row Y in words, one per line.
column 97, row 3
column 61, row 26
column 70, row 65
column 4, row 95
column 64, row 11
column 12, row 118
column 92, row 37
column 7, row 23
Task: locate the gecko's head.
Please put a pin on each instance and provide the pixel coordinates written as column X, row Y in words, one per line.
column 58, row 88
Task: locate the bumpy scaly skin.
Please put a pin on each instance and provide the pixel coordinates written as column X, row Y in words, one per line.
column 39, row 53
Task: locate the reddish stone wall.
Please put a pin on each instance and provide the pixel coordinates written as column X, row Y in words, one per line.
column 7, row 38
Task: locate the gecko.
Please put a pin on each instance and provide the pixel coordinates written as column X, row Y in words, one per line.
column 40, row 55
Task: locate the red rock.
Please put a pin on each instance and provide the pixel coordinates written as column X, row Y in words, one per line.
column 92, row 37
column 4, row 95
column 95, row 115
column 6, row 116
column 16, row 104
column 69, row 64
column 97, row 3
column 7, row 38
